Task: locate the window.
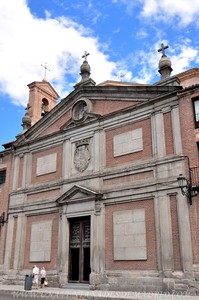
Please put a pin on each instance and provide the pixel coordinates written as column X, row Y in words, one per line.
column 196, row 110
column 2, row 176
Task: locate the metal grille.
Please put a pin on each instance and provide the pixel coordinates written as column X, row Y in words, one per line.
column 195, row 176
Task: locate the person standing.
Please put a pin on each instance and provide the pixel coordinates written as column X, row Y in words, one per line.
column 35, row 273
column 43, row 276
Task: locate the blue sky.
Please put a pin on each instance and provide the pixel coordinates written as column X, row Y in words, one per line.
column 122, row 37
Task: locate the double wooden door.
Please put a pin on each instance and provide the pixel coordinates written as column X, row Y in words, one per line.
column 79, row 264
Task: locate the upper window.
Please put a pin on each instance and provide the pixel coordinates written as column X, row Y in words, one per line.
column 2, row 176
column 196, row 110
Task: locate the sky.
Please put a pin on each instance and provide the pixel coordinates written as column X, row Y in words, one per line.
column 122, row 37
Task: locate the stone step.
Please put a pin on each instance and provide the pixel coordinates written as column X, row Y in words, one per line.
column 76, row 286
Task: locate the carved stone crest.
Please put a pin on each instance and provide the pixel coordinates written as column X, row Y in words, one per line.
column 82, row 155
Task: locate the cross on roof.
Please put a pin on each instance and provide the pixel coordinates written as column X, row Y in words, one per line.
column 45, row 67
column 121, row 76
column 163, row 47
column 85, row 55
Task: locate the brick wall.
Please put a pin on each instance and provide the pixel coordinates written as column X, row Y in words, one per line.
column 5, row 189
column 13, row 243
column 187, row 123
column 49, row 176
column 194, row 223
column 168, row 133
column 175, row 234
column 56, row 126
column 147, row 143
column 52, row 264
column 150, row 263
column 190, row 149
column 104, row 107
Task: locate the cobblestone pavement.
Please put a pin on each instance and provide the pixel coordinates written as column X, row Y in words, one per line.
column 51, row 292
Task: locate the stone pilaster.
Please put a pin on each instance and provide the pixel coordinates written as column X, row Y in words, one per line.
column 15, row 173
column 27, row 166
column 158, row 135
column 98, row 242
column 185, row 235
column 102, row 149
column 66, row 163
column 96, row 154
column 63, row 248
column 165, row 233
column 176, row 131
column 9, row 241
column 158, row 232
column 20, row 242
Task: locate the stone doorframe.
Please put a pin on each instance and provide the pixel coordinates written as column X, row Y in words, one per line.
column 78, row 202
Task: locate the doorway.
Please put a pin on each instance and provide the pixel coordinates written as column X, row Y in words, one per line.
column 79, row 254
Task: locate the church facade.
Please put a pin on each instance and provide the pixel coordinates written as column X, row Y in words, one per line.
column 90, row 189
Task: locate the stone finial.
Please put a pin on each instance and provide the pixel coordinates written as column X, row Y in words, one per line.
column 85, row 67
column 85, row 72
column 26, row 120
column 164, row 63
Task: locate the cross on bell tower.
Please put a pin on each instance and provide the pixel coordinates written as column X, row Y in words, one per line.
column 45, row 69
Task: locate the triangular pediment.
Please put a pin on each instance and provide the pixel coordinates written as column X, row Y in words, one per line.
column 78, row 194
column 45, row 87
column 106, row 101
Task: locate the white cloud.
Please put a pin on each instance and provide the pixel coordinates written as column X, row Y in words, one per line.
column 141, row 34
column 27, row 42
column 180, row 10
column 183, row 12
column 182, row 60
column 146, row 62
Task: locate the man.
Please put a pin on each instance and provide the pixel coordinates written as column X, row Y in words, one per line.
column 35, row 273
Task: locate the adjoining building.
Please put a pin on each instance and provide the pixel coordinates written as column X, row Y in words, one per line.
column 90, row 185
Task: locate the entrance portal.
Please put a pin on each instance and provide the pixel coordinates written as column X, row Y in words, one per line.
column 79, row 266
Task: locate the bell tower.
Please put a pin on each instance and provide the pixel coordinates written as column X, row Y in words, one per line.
column 42, row 98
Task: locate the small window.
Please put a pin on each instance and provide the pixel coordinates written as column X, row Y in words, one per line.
column 196, row 110
column 2, row 176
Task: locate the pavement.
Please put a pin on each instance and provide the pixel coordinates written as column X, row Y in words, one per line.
column 53, row 292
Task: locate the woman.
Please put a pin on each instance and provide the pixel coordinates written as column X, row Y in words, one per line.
column 35, row 275
column 43, row 276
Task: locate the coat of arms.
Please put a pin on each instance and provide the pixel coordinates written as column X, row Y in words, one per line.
column 82, row 155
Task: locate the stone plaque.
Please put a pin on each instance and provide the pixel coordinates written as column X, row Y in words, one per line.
column 128, row 142
column 40, row 241
column 47, row 164
column 129, row 233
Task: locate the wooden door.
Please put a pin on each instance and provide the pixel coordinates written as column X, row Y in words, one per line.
column 79, row 265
